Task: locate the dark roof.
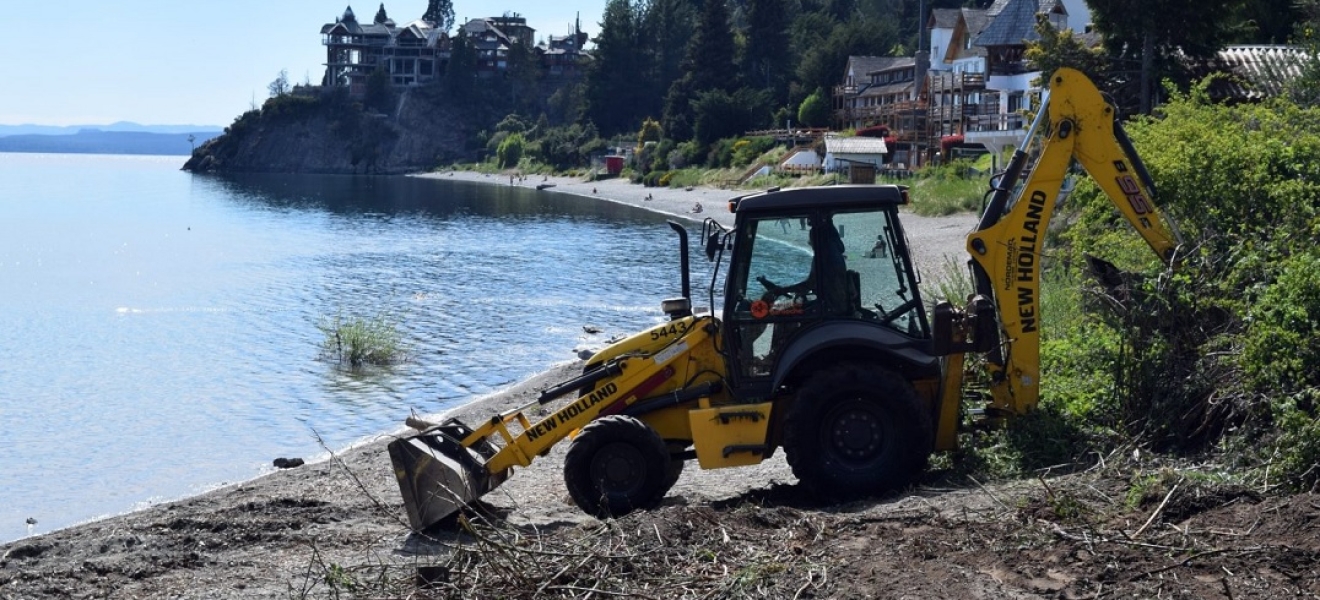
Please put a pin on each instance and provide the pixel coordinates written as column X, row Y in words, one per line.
column 1256, row 72
column 808, row 198
column 1044, row 6
column 894, row 63
column 862, row 66
column 945, row 18
column 1014, row 25
column 355, row 28
column 975, row 19
column 890, row 88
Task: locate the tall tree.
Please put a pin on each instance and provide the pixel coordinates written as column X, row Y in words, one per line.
column 668, row 26
column 461, row 69
column 1057, row 48
column 1305, row 88
column 1158, row 34
column 440, row 14
column 613, row 94
column 707, row 66
column 823, row 63
column 523, row 76
column 381, row 17
column 766, row 57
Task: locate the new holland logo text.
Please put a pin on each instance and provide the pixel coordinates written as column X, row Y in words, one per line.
column 1025, row 261
column 569, row 412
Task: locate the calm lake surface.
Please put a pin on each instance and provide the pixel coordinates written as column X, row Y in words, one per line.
column 159, row 329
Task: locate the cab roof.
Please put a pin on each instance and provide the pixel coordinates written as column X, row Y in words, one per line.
column 844, row 197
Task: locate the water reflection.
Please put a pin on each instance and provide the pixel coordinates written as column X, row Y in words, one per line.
column 360, row 195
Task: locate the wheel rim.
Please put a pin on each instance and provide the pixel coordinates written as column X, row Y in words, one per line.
column 619, row 467
column 854, row 432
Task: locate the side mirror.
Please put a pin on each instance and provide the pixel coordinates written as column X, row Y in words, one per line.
column 712, row 245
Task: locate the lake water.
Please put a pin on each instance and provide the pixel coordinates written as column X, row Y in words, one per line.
column 158, row 329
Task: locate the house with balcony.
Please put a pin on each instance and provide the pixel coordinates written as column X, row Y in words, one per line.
column 980, row 84
column 565, row 56
column 971, row 85
column 1012, row 88
column 417, row 52
column 413, row 53
column 884, row 92
column 956, row 79
column 493, row 37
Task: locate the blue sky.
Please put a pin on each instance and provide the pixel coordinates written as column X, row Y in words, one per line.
column 166, row 62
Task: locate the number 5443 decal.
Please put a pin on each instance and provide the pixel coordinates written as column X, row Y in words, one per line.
column 679, row 328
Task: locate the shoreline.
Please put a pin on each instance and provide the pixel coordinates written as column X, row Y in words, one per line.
column 674, row 202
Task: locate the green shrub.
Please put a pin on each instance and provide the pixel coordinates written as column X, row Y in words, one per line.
column 947, row 190
column 1282, row 346
column 510, row 150
column 748, row 150
column 361, row 341
column 721, row 153
column 1296, row 444
column 654, row 178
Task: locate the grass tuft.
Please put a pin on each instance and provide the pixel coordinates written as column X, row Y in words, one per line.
column 358, row 341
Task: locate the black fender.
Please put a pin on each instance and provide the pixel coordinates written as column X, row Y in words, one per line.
column 857, row 340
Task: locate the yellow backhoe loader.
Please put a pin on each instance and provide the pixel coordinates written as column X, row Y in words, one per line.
column 823, row 346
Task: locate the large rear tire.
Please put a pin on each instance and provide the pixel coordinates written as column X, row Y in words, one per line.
column 855, row 430
column 618, row 464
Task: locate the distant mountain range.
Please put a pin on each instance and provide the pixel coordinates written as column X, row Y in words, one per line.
column 8, row 130
column 116, row 138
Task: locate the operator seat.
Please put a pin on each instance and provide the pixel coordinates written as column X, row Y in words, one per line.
column 832, row 283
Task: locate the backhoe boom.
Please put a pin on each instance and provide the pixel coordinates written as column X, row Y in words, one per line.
column 1075, row 123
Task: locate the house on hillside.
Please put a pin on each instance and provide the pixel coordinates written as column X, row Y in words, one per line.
column 972, row 84
column 1011, row 87
column 492, row 39
column 417, row 52
column 884, row 91
column 566, row 55
column 411, row 54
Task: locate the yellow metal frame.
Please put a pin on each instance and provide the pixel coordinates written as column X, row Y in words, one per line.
column 1081, row 126
column 656, row 361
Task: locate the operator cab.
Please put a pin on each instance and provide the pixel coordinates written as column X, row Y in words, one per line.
column 808, row 266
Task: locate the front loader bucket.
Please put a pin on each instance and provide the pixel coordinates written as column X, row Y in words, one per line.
column 438, row 475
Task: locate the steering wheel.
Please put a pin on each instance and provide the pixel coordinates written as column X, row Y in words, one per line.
column 889, row 316
column 773, row 291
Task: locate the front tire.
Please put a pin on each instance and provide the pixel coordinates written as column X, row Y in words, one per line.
column 857, row 430
column 618, row 464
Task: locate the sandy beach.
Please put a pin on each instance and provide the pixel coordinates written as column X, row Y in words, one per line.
column 933, row 239
column 275, row 535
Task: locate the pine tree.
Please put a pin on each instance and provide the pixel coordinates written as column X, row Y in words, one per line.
column 440, row 14
column 1159, row 35
column 614, row 95
column 381, row 17
column 708, row 67
column 710, row 55
column 461, row 69
column 766, row 57
column 668, row 26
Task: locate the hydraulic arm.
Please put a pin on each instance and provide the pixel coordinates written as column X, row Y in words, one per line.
column 1075, row 123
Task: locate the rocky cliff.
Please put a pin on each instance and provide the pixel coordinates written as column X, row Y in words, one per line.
column 328, row 132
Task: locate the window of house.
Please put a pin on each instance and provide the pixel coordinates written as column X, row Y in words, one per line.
column 1016, row 102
